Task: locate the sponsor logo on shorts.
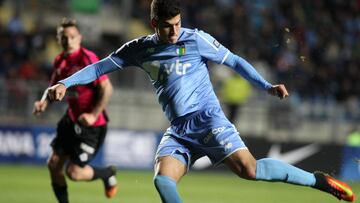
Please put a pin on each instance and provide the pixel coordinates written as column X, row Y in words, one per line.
column 214, row 131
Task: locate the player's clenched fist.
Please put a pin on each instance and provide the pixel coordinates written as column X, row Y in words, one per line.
column 279, row 91
column 56, row 92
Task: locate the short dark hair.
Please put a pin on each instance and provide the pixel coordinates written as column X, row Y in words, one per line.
column 164, row 9
column 66, row 22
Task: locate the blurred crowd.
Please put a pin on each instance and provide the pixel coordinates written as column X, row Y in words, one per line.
column 312, row 46
column 25, row 54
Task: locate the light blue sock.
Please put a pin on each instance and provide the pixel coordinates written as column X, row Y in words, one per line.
column 167, row 189
column 274, row 170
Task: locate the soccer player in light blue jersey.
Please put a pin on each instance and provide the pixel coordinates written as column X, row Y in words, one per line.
column 175, row 59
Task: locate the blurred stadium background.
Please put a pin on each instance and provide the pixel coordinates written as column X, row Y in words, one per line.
column 311, row 46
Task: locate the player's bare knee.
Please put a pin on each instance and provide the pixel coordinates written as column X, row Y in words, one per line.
column 73, row 175
column 73, row 172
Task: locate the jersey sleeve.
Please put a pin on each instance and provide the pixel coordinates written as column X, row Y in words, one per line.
column 124, row 56
column 210, row 48
column 246, row 70
column 93, row 58
column 90, row 73
column 101, row 78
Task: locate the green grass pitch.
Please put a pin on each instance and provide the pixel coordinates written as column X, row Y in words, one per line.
column 30, row 184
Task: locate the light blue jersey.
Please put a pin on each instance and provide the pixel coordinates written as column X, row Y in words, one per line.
column 179, row 72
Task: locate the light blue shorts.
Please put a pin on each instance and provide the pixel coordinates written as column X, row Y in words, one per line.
column 205, row 133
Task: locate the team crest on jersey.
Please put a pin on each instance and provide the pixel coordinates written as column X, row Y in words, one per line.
column 181, row 50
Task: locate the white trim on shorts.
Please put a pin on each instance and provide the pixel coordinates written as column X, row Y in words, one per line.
column 235, row 150
column 172, row 155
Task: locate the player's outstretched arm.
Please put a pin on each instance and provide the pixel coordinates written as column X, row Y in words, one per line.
column 246, row 70
column 279, row 91
column 90, row 73
column 56, row 92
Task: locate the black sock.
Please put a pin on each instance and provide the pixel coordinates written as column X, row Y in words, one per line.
column 321, row 182
column 102, row 172
column 60, row 193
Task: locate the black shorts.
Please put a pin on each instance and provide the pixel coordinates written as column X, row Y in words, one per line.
column 80, row 143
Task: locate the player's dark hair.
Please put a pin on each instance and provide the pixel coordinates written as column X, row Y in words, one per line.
column 66, row 22
column 164, row 9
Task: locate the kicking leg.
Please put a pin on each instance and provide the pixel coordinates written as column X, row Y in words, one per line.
column 168, row 172
column 243, row 164
column 89, row 173
column 55, row 165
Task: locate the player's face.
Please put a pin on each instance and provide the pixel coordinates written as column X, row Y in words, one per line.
column 70, row 39
column 168, row 30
